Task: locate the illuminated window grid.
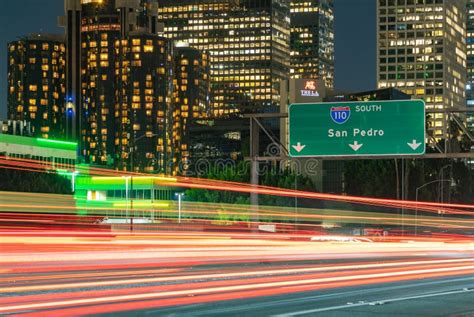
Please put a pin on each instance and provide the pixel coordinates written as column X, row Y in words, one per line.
column 142, row 73
column 312, row 40
column 191, row 96
column 36, row 83
column 97, row 93
column 421, row 52
column 237, row 47
column 470, row 61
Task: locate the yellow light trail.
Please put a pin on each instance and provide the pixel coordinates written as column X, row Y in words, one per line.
column 194, row 291
column 225, row 275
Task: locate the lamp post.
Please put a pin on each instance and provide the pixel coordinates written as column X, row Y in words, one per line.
column 180, row 196
column 416, row 197
column 441, row 176
column 126, row 196
column 73, row 180
column 132, row 167
column 296, row 202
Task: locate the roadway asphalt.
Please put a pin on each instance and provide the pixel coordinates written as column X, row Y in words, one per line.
column 427, row 297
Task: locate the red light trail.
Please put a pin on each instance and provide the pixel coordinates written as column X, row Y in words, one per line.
column 187, row 182
column 55, row 261
column 183, row 268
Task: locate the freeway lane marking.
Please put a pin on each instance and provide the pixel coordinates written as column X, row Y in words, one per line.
column 197, row 291
column 284, row 302
column 371, row 303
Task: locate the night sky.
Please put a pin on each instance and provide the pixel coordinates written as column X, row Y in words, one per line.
column 354, row 41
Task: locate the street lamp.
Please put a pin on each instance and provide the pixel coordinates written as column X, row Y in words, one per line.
column 126, row 199
column 73, row 180
column 441, row 176
column 416, row 197
column 180, row 196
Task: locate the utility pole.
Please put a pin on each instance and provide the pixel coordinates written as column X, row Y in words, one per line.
column 416, row 197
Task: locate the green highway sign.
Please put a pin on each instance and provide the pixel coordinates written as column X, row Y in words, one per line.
column 365, row 128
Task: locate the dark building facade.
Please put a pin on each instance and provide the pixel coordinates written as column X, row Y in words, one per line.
column 71, row 22
column 378, row 94
column 36, row 83
column 312, row 40
column 248, row 43
column 100, row 28
column 470, row 61
column 143, row 104
column 191, row 99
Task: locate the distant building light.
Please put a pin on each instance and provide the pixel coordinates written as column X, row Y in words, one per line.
column 181, row 44
column 91, row 1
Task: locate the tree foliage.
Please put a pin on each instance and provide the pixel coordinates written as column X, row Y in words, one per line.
column 25, row 181
column 240, row 172
column 371, row 178
column 378, row 178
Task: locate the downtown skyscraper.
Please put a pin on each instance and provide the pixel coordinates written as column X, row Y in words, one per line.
column 191, row 98
column 312, row 40
column 100, row 29
column 421, row 51
column 128, row 94
column 36, row 83
column 470, row 61
column 248, row 43
column 120, row 86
